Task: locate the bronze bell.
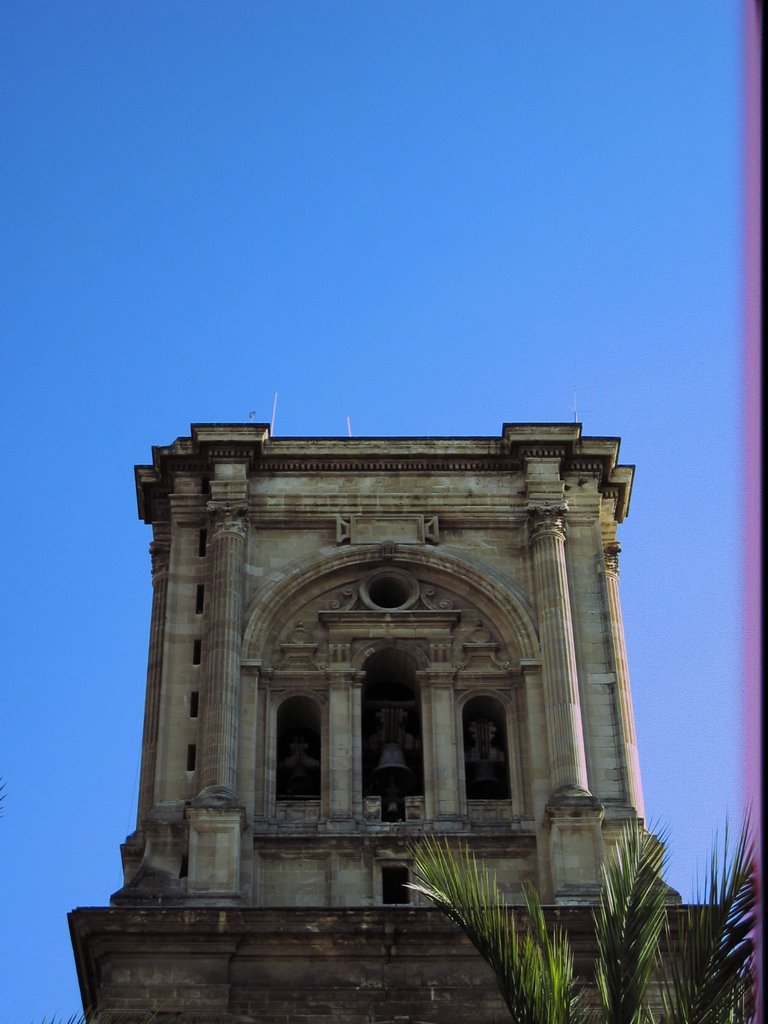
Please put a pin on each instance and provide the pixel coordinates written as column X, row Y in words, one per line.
column 392, row 804
column 392, row 759
column 483, row 783
column 299, row 780
column 483, row 771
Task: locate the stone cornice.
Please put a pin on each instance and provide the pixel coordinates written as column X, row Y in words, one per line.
column 209, row 444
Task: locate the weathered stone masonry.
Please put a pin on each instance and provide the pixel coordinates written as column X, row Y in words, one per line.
column 355, row 642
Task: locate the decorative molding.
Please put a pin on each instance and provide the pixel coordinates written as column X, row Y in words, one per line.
column 547, row 518
column 435, row 599
column 541, row 452
column 228, row 517
column 160, row 553
column 299, row 650
column 387, row 527
column 611, row 553
column 343, row 599
column 439, row 464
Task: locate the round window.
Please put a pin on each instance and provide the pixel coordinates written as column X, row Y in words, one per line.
column 391, row 589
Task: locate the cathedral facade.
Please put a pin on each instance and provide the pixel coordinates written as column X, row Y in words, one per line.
column 356, row 642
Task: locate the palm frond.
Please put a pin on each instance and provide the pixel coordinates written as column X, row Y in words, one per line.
column 534, row 974
column 710, row 974
column 562, row 1003
column 628, row 925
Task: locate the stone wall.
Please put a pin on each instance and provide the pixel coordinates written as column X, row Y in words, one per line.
column 350, row 966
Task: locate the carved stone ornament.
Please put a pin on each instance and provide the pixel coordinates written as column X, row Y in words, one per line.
column 215, row 797
column 611, row 553
column 343, row 599
column 298, row 650
column 227, row 517
column 547, row 518
column 160, row 553
column 435, row 599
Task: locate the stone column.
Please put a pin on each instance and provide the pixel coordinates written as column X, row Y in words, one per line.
column 563, row 709
column 220, row 699
column 627, row 717
column 343, row 750
column 159, row 550
column 439, row 747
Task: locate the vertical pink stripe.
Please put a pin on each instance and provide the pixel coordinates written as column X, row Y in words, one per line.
column 752, row 423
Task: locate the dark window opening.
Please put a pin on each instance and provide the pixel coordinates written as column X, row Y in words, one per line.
column 194, row 703
column 298, row 750
column 485, row 750
column 199, row 599
column 202, row 543
column 388, row 592
column 205, row 486
column 391, row 732
column 184, row 868
column 394, row 885
column 191, row 757
column 197, row 651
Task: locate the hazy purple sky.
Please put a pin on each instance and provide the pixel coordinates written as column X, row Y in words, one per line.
column 428, row 216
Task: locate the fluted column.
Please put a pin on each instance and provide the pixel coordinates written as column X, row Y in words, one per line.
column 563, row 709
column 220, row 701
column 634, row 787
column 159, row 550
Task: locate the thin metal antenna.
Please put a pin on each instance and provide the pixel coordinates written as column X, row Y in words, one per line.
column 575, row 413
column 349, row 428
column 274, row 413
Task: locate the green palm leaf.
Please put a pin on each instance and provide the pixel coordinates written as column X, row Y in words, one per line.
column 710, row 973
column 534, row 973
column 628, row 924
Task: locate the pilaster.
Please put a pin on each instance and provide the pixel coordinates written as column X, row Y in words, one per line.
column 441, row 778
column 344, row 751
column 159, row 549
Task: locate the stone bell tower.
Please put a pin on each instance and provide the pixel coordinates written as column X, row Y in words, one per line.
column 356, row 642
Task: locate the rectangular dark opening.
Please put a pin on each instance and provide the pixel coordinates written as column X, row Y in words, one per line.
column 199, row 599
column 194, row 703
column 197, row 650
column 393, row 885
column 205, row 485
column 191, row 757
column 184, row 867
column 202, row 543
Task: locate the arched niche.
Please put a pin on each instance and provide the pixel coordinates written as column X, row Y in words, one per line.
column 486, row 749
column 298, row 755
column 496, row 598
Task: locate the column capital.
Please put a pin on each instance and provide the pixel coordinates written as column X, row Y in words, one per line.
column 611, row 554
column 160, row 553
column 547, row 518
column 228, row 517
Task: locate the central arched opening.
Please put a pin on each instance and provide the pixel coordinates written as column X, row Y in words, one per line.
column 391, row 728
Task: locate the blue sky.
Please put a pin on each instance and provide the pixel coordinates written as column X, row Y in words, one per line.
column 429, row 217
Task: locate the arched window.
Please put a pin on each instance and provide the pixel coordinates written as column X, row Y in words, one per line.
column 485, row 750
column 391, row 740
column 298, row 749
